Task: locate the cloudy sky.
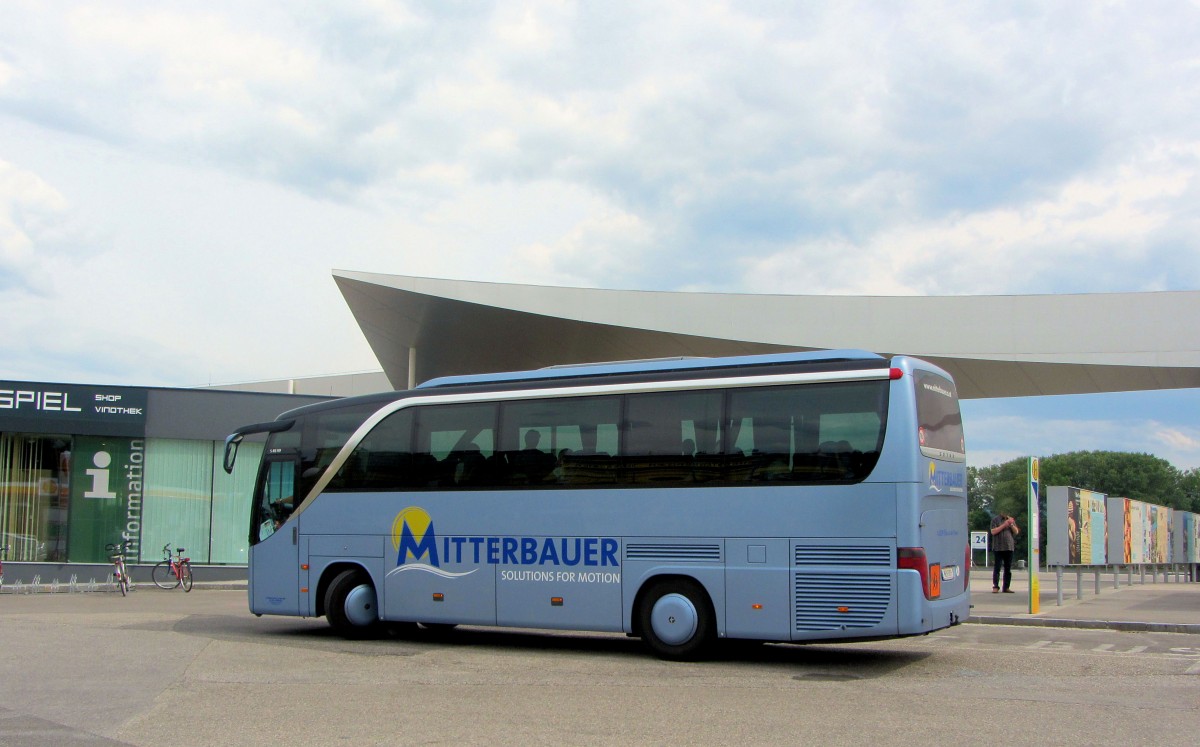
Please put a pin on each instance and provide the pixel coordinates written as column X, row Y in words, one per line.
column 178, row 180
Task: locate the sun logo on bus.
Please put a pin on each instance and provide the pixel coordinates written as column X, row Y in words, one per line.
column 413, row 537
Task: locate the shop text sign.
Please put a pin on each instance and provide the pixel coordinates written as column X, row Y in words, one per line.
column 47, row 403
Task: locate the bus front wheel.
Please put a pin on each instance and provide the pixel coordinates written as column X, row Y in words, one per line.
column 351, row 605
column 676, row 619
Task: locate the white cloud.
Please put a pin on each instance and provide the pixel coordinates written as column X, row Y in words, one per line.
column 186, row 155
column 1177, row 439
column 596, row 252
column 1110, row 219
column 1011, row 436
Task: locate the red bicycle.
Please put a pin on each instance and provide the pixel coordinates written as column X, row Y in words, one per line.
column 173, row 571
column 116, row 553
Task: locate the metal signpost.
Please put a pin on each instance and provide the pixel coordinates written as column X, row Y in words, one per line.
column 1032, row 537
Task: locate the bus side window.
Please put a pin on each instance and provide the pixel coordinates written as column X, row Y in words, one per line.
column 560, row 441
column 661, row 431
column 815, row 433
column 456, row 441
column 383, row 460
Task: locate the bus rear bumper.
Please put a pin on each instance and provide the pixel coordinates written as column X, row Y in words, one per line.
column 929, row 614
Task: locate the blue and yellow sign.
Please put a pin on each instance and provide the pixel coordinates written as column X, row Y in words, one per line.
column 418, row 546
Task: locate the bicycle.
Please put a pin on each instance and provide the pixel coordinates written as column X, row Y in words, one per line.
column 116, row 551
column 173, row 571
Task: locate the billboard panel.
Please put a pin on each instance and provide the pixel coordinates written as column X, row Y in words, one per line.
column 1077, row 527
column 1183, row 538
column 1160, row 542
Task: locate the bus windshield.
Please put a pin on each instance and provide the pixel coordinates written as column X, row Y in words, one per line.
column 293, row 461
column 940, row 431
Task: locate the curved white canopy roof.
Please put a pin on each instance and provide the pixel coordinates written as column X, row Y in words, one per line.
column 994, row 346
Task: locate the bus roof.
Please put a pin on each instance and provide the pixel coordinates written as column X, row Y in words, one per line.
column 617, row 368
column 614, row 369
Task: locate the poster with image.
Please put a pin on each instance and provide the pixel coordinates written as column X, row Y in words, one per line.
column 1160, row 543
column 1183, row 537
column 1076, row 526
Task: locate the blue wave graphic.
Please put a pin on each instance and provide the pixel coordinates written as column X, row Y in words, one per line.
column 429, row 569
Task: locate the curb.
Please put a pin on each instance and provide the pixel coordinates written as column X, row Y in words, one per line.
column 1140, row 627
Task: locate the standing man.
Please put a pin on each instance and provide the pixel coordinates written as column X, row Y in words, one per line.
column 1004, row 542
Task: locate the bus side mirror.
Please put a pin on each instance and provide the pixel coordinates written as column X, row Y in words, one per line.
column 231, row 447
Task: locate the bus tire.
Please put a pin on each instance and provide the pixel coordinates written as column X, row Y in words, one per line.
column 351, row 605
column 676, row 619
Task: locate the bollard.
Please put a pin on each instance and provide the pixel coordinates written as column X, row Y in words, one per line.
column 1058, row 574
column 1097, row 573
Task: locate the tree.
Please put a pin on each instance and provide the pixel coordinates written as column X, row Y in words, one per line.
column 1189, row 485
column 1003, row 488
column 999, row 489
column 1143, row 477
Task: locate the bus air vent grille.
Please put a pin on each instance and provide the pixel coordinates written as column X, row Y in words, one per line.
column 673, row 552
column 858, row 556
column 841, row 601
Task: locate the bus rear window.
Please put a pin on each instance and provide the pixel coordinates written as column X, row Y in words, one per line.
column 940, row 430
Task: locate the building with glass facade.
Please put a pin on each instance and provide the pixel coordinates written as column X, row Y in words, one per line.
column 84, row 466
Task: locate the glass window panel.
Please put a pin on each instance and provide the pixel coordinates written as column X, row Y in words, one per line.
column 232, row 501
column 807, row 433
column 560, row 441
column 177, row 504
column 941, row 432
column 664, row 432
column 383, row 460
column 455, row 442
column 34, row 496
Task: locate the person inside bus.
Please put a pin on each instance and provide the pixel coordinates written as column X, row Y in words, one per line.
column 531, row 461
column 1004, row 532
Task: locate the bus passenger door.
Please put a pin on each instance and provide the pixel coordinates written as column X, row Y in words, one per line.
column 274, row 558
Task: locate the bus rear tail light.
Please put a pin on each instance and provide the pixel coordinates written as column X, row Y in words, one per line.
column 967, row 568
column 913, row 559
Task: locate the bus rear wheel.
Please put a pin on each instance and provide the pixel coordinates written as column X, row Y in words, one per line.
column 676, row 620
column 351, row 605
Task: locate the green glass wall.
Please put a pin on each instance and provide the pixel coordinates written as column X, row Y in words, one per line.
column 191, row 503
column 64, row 498
column 232, row 502
column 177, row 510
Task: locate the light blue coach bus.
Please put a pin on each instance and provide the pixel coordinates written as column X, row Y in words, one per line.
column 791, row 497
